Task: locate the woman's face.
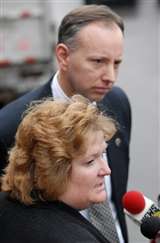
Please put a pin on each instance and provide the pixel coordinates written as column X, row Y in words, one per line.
column 87, row 184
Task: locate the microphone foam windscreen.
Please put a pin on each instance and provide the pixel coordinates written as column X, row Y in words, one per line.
column 150, row 227
column 133, row 202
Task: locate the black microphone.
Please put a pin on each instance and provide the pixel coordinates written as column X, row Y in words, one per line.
column 150, row 228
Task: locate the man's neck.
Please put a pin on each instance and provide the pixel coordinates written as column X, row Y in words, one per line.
column 57, row 91
column 64, row 84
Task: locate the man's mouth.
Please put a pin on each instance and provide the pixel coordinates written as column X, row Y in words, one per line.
column 102, row 90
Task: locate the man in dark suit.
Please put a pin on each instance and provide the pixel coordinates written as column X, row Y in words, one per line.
column 89, row 52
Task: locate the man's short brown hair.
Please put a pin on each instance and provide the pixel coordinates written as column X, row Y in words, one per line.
column 75, row 20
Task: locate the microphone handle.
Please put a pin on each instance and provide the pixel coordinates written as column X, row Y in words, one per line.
column 157, row 238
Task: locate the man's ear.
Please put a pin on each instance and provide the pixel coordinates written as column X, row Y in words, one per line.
column 62, row 54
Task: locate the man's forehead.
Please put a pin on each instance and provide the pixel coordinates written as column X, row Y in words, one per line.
column 93, row 27
column 98, row 35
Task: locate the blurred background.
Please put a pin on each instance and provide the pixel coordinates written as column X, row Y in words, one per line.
column 28, row 32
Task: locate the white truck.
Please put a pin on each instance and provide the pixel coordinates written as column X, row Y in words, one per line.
column 26, row 44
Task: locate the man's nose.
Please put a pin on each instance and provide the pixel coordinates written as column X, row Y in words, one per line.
column 109, row 75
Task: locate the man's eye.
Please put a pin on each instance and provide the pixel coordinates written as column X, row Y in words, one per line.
column 97, row 60
column 116, row 65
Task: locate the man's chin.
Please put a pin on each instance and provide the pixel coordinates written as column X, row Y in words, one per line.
column 96, row 98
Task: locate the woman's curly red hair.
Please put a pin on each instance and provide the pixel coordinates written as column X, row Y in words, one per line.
column 50, row 135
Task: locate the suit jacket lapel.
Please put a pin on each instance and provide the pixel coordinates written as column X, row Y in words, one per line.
column 116, row 154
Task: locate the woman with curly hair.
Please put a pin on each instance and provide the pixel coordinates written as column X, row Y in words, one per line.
column 56, row 169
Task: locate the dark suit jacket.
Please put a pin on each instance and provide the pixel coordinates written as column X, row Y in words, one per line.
column 46, row 222
column 115, row 103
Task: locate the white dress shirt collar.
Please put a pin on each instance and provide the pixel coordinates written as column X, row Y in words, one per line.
column 56, row 89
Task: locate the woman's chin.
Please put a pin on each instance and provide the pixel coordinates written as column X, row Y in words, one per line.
column 101, row 198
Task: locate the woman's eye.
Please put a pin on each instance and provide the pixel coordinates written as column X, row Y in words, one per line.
column 90, row 162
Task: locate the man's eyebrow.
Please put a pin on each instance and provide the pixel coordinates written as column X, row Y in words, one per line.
column 104, row 58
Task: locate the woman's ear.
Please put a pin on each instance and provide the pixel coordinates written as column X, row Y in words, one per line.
column 62, row 54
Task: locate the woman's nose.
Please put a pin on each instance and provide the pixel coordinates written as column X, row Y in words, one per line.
column 105, row 169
